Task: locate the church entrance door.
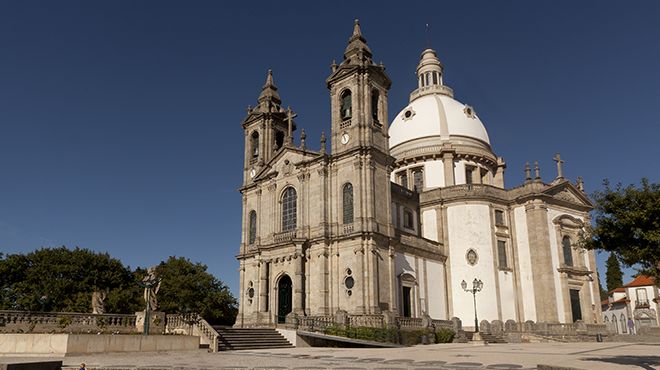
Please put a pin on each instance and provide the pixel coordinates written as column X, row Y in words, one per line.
column 406, row 301
column 284, row 298
column 576, row 309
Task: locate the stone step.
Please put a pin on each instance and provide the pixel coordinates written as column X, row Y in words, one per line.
column 252, row 338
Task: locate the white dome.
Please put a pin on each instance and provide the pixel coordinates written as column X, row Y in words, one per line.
column 436, row 115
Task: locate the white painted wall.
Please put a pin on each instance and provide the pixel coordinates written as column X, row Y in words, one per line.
column 434, row 174
column 437, row 294
column 459, row 172
column 430, row 224
column 507, row 296
column 469, row 228
column 525, row 264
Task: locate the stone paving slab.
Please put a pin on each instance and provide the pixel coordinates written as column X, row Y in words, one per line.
column 596, row 356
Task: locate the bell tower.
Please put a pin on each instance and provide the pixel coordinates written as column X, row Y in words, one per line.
column 358, row 93
column 268, row 127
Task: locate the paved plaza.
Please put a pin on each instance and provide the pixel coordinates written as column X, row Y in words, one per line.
column 599, row 356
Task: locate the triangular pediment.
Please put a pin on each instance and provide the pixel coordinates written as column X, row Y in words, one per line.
column 284, row 162
column 567, row 192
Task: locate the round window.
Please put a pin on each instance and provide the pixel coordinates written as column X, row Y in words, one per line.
column 349, row 282
column 472, row 257
column 407, row 114
column 250, row 292
column 349, row 272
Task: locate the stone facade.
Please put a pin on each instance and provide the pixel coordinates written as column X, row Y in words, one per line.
column 392, row 218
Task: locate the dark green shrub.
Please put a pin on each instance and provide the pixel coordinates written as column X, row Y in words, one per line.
column 412, row 337
column 444, row 335
column 364, row 333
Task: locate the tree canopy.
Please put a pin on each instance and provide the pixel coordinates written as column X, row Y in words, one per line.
column 63, row 280
column 627, row 223
column 187, row 287
column 613, row 276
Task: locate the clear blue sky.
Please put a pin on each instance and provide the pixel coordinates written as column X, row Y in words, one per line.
column 120, row 121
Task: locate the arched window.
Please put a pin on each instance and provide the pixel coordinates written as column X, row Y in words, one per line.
column 375, row 96
column 254, row 144
column 435, row 78
column 568, row 255
column 346, row 105
column 408, row 219
column 622, row 322
column 289, row 200
column 615, row 323
column 347, row 202
column 252, row 227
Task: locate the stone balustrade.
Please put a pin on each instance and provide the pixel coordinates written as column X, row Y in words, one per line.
column 65, row 322
column 284, row 236
column 193, row 324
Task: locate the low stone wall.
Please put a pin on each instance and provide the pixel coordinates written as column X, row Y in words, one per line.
column 72, row 344
column 65, row 322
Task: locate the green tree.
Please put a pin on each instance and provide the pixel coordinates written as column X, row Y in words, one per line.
column 627, row 223
column 63, row 280
column 602, row 291
column 188, row 287
column 613, row 276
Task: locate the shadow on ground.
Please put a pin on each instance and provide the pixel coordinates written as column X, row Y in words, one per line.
column 645, row 362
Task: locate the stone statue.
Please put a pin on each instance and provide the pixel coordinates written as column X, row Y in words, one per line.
column 98, row 304
column 151, row 284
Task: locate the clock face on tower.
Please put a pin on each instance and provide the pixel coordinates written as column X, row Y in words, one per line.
column 345, row 138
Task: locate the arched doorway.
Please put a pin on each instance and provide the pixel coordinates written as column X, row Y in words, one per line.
column 284, row 298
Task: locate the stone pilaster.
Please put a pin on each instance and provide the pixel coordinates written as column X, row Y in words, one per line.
column 540, row 253
column 263, row 286
column 448, row 162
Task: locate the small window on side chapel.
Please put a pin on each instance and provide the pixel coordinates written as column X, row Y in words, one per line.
column 499, row 218
column 408, row 219
column 501, row 254
column 345, row 106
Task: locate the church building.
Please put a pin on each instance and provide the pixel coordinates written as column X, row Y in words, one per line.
column 403, row 217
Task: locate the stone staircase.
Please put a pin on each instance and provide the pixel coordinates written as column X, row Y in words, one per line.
column 231, row 339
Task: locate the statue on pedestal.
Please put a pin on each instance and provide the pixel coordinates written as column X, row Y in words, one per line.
column 98, row 304
column 151, row 284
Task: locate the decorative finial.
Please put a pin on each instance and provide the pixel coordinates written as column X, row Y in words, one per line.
column 356, row 29
column 559, row 161
column 537, row 171
column 249, row 109
column 528, row 172
column 303, row 136
column 323, row 148
column 289, row 118
column 580, row 183
column 333, row 66
column 269, row 78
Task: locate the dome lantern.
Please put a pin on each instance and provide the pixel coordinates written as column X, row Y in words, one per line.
column 430, row 76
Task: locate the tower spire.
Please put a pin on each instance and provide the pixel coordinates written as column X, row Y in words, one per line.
column 357, row 51
column 269, row 97
column 357, row 32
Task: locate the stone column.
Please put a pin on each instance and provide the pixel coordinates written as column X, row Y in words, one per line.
column 540, row 253
column 298, row 288
column 448, row 162
column 498, row 179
